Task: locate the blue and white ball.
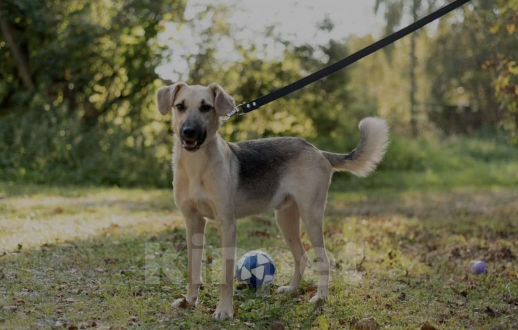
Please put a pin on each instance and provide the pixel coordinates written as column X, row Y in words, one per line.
column 255, row 268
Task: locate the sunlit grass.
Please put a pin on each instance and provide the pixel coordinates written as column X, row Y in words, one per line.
column 32, row 217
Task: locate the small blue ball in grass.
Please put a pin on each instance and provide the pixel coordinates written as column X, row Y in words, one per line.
column 479, row 268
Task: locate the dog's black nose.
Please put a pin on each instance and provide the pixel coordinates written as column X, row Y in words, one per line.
column 189, row 132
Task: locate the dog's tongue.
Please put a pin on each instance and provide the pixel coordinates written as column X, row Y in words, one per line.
column 190, row 143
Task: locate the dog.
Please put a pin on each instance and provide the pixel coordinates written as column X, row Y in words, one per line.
column 223, row 181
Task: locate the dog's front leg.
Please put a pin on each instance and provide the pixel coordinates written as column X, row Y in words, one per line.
column 227, row 227
column 195, row 225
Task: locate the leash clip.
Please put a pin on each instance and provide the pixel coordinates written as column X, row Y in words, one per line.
column 236, row 111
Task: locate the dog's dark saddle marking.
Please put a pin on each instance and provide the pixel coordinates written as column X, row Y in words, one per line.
column 263, row 162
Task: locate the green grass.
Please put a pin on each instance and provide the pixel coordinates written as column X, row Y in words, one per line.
column 108, row 257
column 446, row 164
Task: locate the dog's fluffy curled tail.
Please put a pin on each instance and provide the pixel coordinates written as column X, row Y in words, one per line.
column 363, row 160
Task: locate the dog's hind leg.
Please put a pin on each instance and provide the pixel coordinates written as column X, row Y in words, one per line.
column 288, row 220
column 312, row 213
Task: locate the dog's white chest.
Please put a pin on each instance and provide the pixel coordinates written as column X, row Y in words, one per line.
column 199, row 197
column 196, row 191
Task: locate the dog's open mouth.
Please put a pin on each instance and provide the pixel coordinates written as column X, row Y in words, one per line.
column 190, row 145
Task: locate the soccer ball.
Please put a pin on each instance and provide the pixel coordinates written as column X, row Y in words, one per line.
column 255, row 268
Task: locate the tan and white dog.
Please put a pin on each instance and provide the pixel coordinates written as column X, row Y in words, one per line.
column 215, row 179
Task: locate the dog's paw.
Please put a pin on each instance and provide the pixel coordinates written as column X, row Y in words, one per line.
column 183, row 303
column 286, row 289
column 223, row 313
column 318, row 298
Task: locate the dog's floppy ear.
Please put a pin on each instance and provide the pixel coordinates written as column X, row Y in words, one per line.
column 224, row 103
column 165, row 97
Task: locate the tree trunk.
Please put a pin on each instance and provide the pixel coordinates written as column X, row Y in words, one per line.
column 413, row 67
column 21, row 59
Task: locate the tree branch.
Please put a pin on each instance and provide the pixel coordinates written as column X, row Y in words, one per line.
column 21, row 59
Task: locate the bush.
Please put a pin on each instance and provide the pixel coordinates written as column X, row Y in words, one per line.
column 39, row 148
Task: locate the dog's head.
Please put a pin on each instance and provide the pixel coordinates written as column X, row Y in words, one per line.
column 196, row 111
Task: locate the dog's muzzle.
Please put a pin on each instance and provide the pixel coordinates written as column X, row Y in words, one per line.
column 192, row 137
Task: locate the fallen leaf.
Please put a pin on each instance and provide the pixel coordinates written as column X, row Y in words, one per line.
column 276, row 325
column 179, row 247
column 19, row 301
column 311, row 288
column 428, row 326
column 114, row 226
column 490, row 311
column 109, row 261
column 455, row 252
column 167, row 288
column 260, row 233
column 184, row 303
column 366, row 324
column 10, row 308
column 496, row 253
column 359, row 266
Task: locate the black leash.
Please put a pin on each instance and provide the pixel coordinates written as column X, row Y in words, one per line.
column 244, row 108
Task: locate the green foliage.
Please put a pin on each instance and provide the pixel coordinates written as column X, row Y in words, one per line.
column 91, row 118
column 471, row 58
column 506, row 66
column 57, row 149
column 324, row 112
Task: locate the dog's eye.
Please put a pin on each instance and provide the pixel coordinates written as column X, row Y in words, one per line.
column 180, row 107
column 205, row 108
